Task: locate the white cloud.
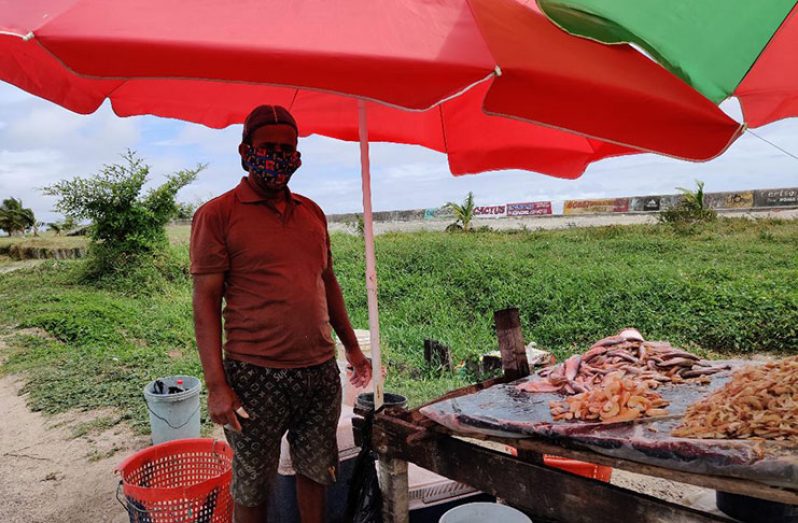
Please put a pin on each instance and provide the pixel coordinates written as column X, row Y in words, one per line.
column 41, row 143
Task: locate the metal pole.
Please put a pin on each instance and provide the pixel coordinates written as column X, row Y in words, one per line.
column 371, row 263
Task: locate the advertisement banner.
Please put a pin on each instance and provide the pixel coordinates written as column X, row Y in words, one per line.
column 776, row 197
column 646, row 203
column 490, row 211
column 596, row 206
column 438, row 213
column 739, row 200
column 528, row 208
column 730, row 200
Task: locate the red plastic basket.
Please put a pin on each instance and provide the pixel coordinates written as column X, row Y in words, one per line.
column 181, row 481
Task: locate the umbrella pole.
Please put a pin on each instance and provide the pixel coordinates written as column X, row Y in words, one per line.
column 371, row 263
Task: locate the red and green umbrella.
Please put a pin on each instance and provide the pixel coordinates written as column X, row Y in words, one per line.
column 490, row 83
column 723, row 48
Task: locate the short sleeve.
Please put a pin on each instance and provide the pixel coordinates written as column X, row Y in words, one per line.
column 326, row 238
column 208, row 249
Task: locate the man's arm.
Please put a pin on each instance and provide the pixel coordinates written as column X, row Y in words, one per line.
column 339, row 319
column 207, row 300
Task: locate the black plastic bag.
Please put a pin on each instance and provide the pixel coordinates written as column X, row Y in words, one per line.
column 364, row 504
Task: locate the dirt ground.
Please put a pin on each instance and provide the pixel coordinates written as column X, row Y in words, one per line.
column 49, row 476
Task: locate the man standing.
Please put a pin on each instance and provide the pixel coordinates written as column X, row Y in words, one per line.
column 266, row 252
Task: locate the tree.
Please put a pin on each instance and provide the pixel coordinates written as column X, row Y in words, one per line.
column 65, row 225
column 463, row 213
column 56, row 227
column 15, row 218
column 126, row 225
column 185, row 210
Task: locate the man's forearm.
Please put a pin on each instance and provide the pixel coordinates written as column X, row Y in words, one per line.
column 208, row 332
column 339, row 319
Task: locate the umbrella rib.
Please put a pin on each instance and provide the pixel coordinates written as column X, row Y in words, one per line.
column 25, row 37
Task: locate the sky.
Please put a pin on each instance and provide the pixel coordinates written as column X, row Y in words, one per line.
column 42, row 143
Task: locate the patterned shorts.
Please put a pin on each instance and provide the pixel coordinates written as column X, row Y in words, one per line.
column 306, row 402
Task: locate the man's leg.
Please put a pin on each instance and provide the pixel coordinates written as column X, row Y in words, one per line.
column 312, row 437
column 256, row 449
column 311, row 499
column 244, row 514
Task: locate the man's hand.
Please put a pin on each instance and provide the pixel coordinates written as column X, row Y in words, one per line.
column 361, row 366
column 223, row 404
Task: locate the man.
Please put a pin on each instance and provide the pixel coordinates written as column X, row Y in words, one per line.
column 266, row 252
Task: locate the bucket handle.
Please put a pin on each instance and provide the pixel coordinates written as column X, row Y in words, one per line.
column 119, row 498
column 167, row 421
column 124, row 502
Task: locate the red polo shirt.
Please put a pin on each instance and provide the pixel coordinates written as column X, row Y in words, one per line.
column 275, row 312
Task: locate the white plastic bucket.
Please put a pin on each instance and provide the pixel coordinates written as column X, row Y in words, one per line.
column 174, row 416
column 482, row 512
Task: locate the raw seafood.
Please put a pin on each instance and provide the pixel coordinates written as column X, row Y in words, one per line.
column 617, row 399
column 759, row 402
column 653, row 362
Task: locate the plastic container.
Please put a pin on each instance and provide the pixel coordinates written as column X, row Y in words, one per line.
column 174, row 416
column 365, row 401
column 482, row 512
column 177, row 482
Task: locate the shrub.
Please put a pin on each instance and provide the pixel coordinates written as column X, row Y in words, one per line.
column 128, row 228
column 691, row 208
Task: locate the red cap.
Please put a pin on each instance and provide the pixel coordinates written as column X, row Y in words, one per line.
column 266, row 115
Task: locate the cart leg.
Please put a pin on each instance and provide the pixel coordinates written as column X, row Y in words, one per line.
column 394, row 486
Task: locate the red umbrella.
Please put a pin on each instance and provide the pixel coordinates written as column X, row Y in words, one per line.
column 209, row 63
column 441, row 74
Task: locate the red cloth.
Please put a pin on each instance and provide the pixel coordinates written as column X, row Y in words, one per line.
column 275, row 311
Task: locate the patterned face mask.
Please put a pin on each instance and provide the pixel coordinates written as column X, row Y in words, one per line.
column 272, row 167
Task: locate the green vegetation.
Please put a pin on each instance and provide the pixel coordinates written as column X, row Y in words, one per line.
column 728, row 287
column 691, row 209
column 128, row 229
column 45, row 245
column 463, row 214
column 67, row 224
column 15, row 219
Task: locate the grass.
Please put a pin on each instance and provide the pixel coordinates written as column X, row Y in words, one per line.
column 45, row 245
column 727, row 288
column 178, row 235
column 44, row 240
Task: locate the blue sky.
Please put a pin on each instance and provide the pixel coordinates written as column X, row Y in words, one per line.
column 41, row 143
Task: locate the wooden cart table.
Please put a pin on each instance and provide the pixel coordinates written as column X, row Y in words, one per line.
column 401, row 436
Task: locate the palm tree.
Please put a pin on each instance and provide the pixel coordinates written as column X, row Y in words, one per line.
column 694, row 200
column 56, row 227
column 14, row 218
column 463, row 213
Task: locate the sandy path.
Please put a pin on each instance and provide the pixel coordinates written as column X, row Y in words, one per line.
column 49, row 476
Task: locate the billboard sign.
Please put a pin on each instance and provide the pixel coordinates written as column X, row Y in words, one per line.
column 490, row 211
column 596, row 206
column 776, row 197
column 528, row 208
